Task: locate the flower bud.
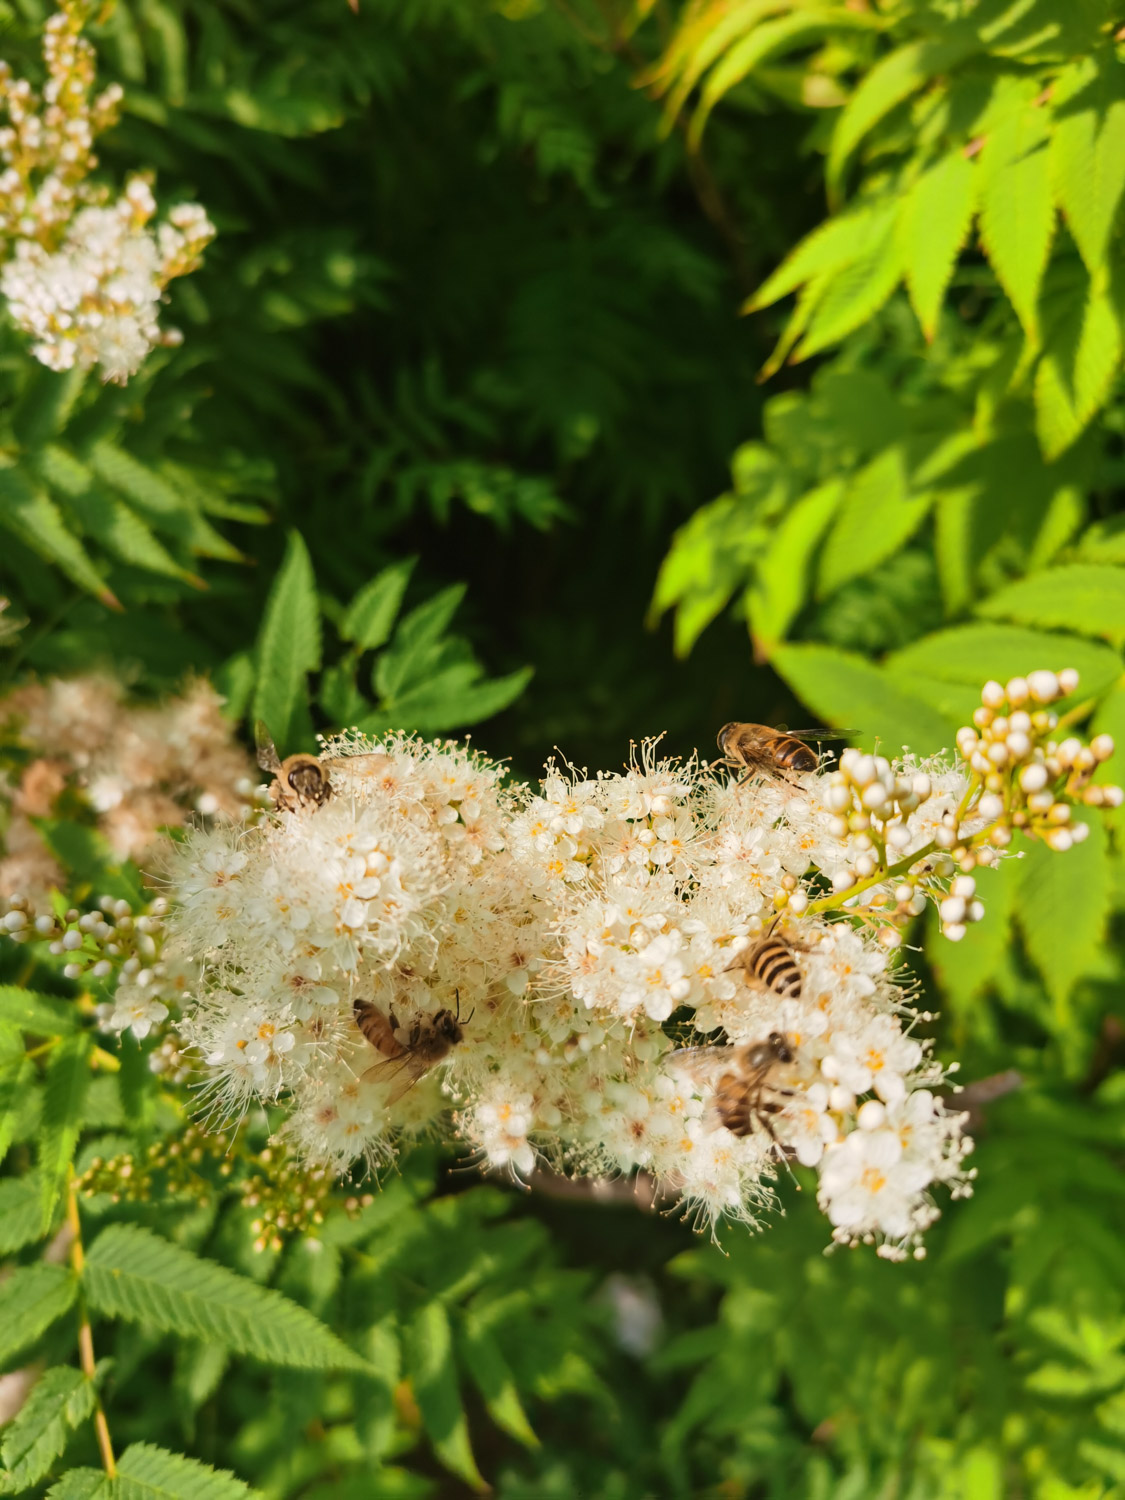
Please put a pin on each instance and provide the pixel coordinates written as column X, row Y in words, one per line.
column 992, row 694
column 964, row 885
column 1059, row 839
column 945, row 838
column 1033, row 778
column 899, row 836
column 1020, row 722
column 1041, row 802
column 1043, row 686
column 1102, row 746
column 953, row 909
column 838, row 827
column 1060, row 813
column 954, row 931
column 982, row 718
column 1000, row 837
column 1068, row 680
column 921, row 785
column 798, row 903
column 1079, row 832
column 890, row 937
column 871, row 1115
column 1017, row 691
column 843, row 880
column 837, row 798
column 1019, row 744
column 1112, row 796
column 841, row 1099
column 975, row 911
column 866, row 865
column 71, row 940
column 990, row 807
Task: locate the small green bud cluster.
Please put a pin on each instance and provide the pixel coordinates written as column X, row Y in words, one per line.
column 290, row 1198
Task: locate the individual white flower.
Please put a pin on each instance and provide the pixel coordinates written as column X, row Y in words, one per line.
column 868, row 1186
column 136, row 1010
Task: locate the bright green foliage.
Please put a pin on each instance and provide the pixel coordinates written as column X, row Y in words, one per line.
column 132, row 1273
column 462, row 366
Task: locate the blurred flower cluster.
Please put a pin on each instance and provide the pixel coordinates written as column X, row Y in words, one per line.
column 672, row 968
column 139, row 769
column 84, row 275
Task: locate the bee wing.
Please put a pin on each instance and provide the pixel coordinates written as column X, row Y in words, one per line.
column 401, row 1072
column 700, row 1063
column 267, row 751
column 359, row 765
column 821, row 734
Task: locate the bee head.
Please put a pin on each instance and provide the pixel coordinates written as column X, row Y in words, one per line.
column 721, row 737
column 307, row 779
column 448, row 1027
column 780, row 1047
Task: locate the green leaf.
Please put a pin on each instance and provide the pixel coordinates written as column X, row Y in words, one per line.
column 400, row 665
column 31, row 1298
column 967, row 968
column 448, row 701
column 878, row 515
column 28, row 512
column 837, row 243
column 846, row 689
column 60, row 1400
column 933, row 228
column 893, row 79
column 968, row 655
column 429, row 1364
column 20, row 1216
column 288, row 645
column 82, row 1484
column 68, row 1078
column 86, row 853
column 14, row 1070
column 781, row 580
column 853, row 295
column 1017, row 217
column 1084, row 597
column 45, row 404
column 1063, row 907
column 1076, row 374
column 490, row 1373
column 145, row 1472
column 169, row 509
column 371, row 614
column 1087, row 153
column 42, row 1015
column 132, row 1273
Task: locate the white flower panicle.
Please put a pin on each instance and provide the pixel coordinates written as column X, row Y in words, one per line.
column 667, row 969
column 84, row 276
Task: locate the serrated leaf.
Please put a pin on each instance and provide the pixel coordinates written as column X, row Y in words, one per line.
column 145, row 1472
column 14, row 1071
column 879, row 513
column 42, row 1015
column 132, row 1273
column 837, row 243
column 1076, row 374
column 844, row 688
column 1087, row 153
column 68, row 1079
column 893, row 79
column 370, row 616
column 31, row 1298
column 60, row 1400
column 29, row 513
column 1017, row 215
column 933, row 228
column 781, row 580
column 433, row 1377
column 169, row 509
column 450, row 701
column 490, row 1373
column 82, row 1484
column 854, row 295
column 1063, row 907
column 20, row 1217
column 1085, row 597
column 45, row 404
column 288, row 644
column 399, row 666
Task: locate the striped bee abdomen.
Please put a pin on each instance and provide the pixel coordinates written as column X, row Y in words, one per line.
column 794, row 756
column 772, row 963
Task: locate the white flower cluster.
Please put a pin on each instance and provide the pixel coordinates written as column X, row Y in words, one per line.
column 572, row 974
column 83, row 277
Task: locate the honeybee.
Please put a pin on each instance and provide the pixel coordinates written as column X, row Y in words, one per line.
column 303, row 780
column 752, row 1086
column 408, row 1052
column 763, row 751
column 770, row 965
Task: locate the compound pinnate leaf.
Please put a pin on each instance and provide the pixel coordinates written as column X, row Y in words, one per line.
column 68, row 1079
column 132, row 1273
column 42, row 1015
column 933, row 228
column 844, row 688
column 371, row 614
column 20, row 1217
column 1063, row 907
column 31, row 1298
column 1084, row 597
column 60, row 1400
column 145, row 1472
column 433, row 1376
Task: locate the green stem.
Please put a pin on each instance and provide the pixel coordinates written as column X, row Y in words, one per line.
column 837, row 899
column 86, row 1336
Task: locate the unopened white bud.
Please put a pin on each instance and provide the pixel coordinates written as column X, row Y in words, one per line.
column 953, row 909
column 1019, row 744
column 1060, row 813
column 1068, row 679
column 1059, row 839
column 904, row 893
column 798, row 902
column 841, row 1099
column 1102, row 746
column 992, row 694
column 1043, row 686
column 890, row 937
column 830, row 1068
column 837, row 798
column 899, row 836
column 963, row 885
column 990, row 807
column 865, row 865
column 1041, row 802
column 975, row 911
column 838, row 827
column 44, row 924
column 945, row 838
column 871, row 1115
column 71, row 940
column 1112, row 796
column 921, row 785
column 1017, row 691
column 1079, row 832
column 1033, row 778
column 102, row 969
column 1019, row 722
column 954, row 931
column 998, row 753
column 843, row 880
column 72, row 971
column 15, row 920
